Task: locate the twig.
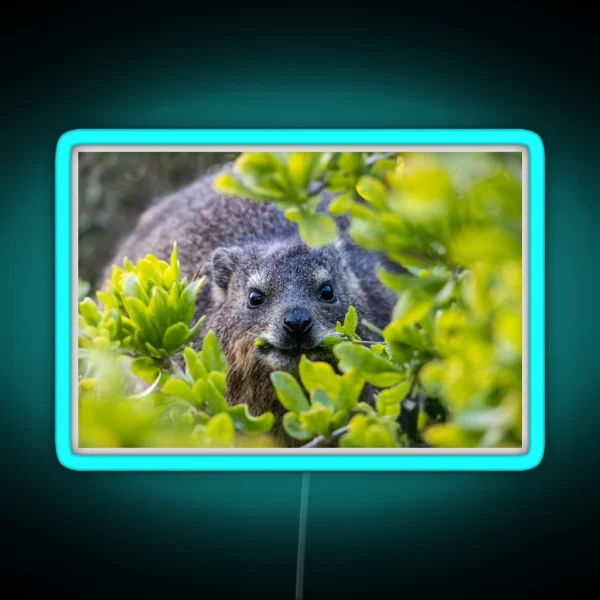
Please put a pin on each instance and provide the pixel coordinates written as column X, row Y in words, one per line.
column 366, row 343
column 319, row 188
column 374, row 159
column 131, row 354
column 371, row 327
column 176, row 368
column 321, row 440
column 413, row 383
column 147, row 391
column 371, row 160
column 363, row 342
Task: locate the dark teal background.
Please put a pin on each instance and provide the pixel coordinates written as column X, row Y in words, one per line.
column 228, row 534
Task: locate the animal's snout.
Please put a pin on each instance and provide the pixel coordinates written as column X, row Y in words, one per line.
column 297, row 322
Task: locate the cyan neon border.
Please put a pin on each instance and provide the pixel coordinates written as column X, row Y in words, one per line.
column 249, row 462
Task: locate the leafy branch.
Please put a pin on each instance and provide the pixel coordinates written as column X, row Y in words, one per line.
column 321, row 440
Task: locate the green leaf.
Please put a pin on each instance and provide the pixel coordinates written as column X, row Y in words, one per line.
column 372, row 190
column 145, row 368
column 229, row 185
column 175, row 262
column 339, row 419
column 194, row 367
column 341, row 182
column 368, row 233
column 215, row 399
column 89, row 311
column 149, row 270
column 170, row 280
column 293, row 427
column 256, row 166
column 267, row 194
column 317, row 419
column 322, row 164
column 342, row 204
column 377, row 436
column 173, row 299
column 158, row 309
column 351, row 162
column 175, row 336
column 351, row 322
column 318, row 375
column 201, row 391
column 289, row 392
column 373, row 368
column 365, row 408
column 321, row 397
column 404, row 341
column 317, row 230
column 300, row 167
column 389, row 410
column 330, row 341
column 214, row 358
column 350, row 389
column 132, row 288
column 188, row 299
column 221, row 430
column 381, row 167
column 412, row 307
column 245, row 422
column 356, row 431
column 449, row 435
column 388, row 401
column 180, row 389
column 220, row 380
column 292, row 214
column 138, row 314
column 395, row 394
column 196, row 328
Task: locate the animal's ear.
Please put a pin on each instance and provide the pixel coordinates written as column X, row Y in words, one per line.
column 224, row 262
column 343, row 249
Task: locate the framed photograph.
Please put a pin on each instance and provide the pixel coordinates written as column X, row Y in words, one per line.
column 300, row 300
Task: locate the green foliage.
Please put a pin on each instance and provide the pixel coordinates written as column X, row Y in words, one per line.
column 322, row 404
column 445, row 373
column 181, row 404
column 148, row 308
column 284, row 178
column 294, row 182
column 455, row 336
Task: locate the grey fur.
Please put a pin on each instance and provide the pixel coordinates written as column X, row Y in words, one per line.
column 238, row 245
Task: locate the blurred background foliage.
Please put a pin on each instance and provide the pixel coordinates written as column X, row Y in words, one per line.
column 116, row 187
column 450, row 370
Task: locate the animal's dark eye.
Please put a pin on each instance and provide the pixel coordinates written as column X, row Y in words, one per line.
column 327, row 293
column 255, row 298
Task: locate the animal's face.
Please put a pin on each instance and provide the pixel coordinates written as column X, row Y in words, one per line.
column 289, row 295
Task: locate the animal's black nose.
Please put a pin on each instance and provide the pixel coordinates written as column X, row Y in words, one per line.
column 297, row 322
